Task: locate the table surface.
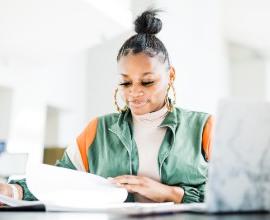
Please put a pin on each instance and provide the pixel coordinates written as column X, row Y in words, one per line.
column 101, row 216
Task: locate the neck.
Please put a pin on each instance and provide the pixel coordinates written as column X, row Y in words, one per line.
column 159, row 107
column 152, row 116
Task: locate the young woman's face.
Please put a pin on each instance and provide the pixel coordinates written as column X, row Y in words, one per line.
column 143, row 82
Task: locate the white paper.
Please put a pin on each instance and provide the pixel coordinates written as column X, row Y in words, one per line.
column 16, row 203
column 70, row 188
column 169, row 208
column 61, row 189
column 120, row 208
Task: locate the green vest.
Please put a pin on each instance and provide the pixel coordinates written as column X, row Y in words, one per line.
column 180, row 160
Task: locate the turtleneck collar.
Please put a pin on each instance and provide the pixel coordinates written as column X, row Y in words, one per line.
column 152, row 116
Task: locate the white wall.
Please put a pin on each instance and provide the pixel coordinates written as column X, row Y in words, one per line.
column 247, row 73
column 192, row 33
column 102, row 78
column 5, row 108
column 267, row 80
column 51, row 138
column 33, row 28
column 43, row 59
column 59, row 83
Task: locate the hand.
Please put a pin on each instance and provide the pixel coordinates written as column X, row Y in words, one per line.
column 6, row 190
column 149, row 188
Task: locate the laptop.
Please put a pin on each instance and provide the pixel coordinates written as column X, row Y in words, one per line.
column 239, row 171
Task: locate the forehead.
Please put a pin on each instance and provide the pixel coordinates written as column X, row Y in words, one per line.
column 138, row 64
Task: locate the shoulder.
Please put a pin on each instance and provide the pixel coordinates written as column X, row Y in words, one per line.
column 189, row 116
column 202, row 122
column 101, row 122
column 108, row 119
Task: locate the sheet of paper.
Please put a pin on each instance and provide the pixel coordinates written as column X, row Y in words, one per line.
column 120, row 208
column 136, row 209
column 123, row 208
column 169, row 208
column 56, row 186
column 16, row 203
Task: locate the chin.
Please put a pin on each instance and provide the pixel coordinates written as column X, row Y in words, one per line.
column 139, row 111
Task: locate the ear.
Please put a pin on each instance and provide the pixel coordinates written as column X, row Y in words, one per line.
column 171, row 74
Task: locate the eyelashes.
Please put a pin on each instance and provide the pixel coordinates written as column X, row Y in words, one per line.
column 149, row 83
column 127, row 84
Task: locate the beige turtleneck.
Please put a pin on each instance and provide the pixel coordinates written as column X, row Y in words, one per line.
column 148, row 137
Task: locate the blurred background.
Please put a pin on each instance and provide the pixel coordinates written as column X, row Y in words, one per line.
column 58, row 63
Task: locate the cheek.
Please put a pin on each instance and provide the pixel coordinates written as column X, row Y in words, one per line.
column 157, row 94
column 124, row 93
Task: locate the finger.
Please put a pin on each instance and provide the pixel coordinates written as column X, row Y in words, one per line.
column 133, row 188
column 128, row 179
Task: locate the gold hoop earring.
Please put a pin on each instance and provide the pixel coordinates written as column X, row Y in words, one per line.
column 116, row 103
column 170, row 103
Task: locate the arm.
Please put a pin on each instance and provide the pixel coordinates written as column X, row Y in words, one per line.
column 150, row 188
column 207, row 138
column 193, row 193
column 196, row 193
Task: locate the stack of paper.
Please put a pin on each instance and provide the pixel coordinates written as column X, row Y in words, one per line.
column 61, row 189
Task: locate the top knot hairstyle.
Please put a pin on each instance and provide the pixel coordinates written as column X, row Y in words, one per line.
column 147, row 25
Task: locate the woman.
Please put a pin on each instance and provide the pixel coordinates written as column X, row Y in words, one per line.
column 156, row 151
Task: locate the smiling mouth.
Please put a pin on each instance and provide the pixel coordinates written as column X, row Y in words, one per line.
column 137, row 104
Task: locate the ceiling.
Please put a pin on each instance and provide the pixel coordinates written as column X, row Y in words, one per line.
column 35, row 27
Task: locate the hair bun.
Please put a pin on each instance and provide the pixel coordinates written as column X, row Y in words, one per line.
column 147, row 23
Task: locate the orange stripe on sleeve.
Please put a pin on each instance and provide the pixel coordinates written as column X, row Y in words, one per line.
column 207, row 137
column 85, row 139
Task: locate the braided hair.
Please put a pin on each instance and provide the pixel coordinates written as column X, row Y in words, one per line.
column 147, row 25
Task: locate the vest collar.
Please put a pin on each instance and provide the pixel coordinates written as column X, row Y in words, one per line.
column 123, row 127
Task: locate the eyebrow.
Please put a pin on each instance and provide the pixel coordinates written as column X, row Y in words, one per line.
column 144, row 74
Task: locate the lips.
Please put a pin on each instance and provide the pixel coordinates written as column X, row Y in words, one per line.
column 137, row 103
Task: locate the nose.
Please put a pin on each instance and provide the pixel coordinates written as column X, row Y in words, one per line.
column 136, row 91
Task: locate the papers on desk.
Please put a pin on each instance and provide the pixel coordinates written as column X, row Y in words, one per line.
column 65, row 189
column 61, row 189
column 120, row 208
column 133, row 209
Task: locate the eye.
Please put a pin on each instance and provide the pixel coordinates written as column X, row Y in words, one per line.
column 148, row 83
column 125, row 84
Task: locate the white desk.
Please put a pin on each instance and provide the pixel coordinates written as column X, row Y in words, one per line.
column 90, row 216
